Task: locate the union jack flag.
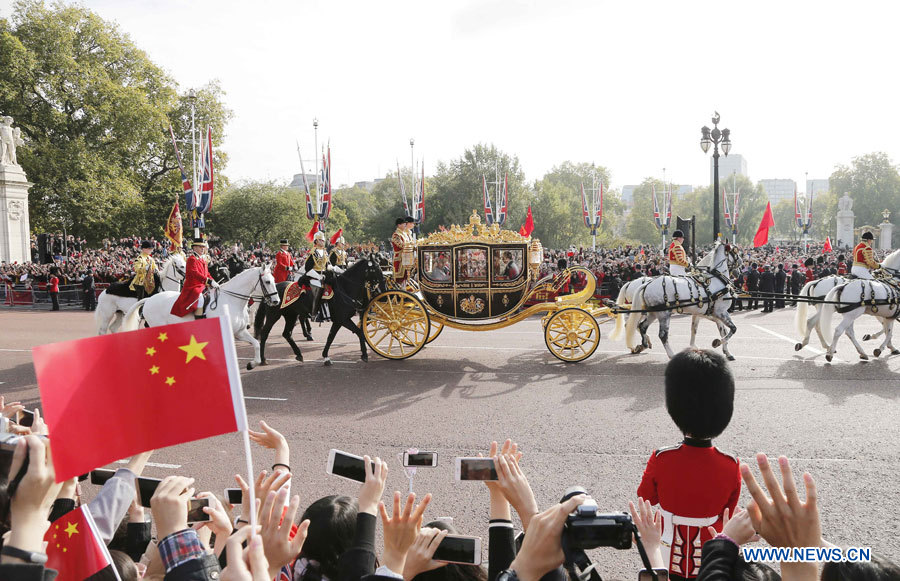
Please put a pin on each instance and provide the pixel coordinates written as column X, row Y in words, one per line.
column 325, row 203
column 598, row 210
column 204, row 205
column 420, row 202
column 310, row 211
column 656, row 215
column 585, row 213
column 488, row 212
column 502, row 202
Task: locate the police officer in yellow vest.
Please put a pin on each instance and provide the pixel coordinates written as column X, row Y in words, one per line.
column 864, row 258
column 678, row 261
column 143, row 283
column 338, row 256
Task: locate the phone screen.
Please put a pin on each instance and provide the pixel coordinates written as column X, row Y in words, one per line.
column 234, row 496
column 147, row 486
column 420, row 459
column 348, row 467
column 457, row 550
column 101, row 475
column 195, row 510
column 25, row 418
column 477, row 469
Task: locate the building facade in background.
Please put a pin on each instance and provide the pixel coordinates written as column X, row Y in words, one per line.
column 733, row 164
column 816, row 187
column 779, row 189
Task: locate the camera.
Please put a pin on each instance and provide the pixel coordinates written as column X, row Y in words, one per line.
column 586, row 529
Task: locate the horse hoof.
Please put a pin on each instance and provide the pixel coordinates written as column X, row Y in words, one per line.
column 716, row 342
column 828, row 358
column 364, row 357
column 328, row 362
column 637, row 349
column 864, row 357
column 299, row 357
column 263, row 362
column 250, row 366
column 798, row 346
column 730, row 358
column 895, row 352
column 866, row 337
column 309, row 338
column 877, row 352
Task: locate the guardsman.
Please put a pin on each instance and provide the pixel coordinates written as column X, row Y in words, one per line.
column 678, row 261
column 863, row 258
column 143, row 282
column 398, row 239
column 316, row 266
column 196, row 278
column 338, row 256
column 284, row 262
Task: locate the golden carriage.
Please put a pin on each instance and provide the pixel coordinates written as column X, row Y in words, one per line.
column 479, row 278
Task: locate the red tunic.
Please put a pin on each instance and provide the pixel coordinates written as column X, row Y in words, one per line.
column 54, row 285
column 693, row 485
column 196, row 274
column 283, row 263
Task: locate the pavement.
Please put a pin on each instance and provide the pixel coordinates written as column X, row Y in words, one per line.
column 593, row 423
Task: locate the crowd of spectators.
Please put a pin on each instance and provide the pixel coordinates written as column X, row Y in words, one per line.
column 692, row 488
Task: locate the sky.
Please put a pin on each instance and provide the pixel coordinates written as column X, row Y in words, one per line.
column 803, row 85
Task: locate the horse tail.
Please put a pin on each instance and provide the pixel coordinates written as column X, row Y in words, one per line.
column 828, row 308
column 637, row 304
column 803, row 307
column 620, row 318
column 132, row 320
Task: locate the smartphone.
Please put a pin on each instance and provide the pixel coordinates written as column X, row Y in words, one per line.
column 101, row 475
column 84, row 477
column 475, row 469
column 416, row 459
column 234, row 496
column 146, row 488
column 25, row 418
column 459, row 549
column 661, row 575
column 346, row 466
column 195, row 510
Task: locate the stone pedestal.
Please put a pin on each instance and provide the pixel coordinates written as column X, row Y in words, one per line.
column 844, row 237
column 887, row 231
column 15, row 230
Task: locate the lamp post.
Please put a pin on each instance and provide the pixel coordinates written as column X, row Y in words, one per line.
column 715, row 137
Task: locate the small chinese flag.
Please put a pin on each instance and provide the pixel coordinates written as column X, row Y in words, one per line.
column 827, row 246
column 114, row 396
column 74, row 548
column 762, row 233
column 528, row 227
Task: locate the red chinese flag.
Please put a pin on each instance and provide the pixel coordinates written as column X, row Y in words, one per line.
column 74, row 548
column 827, row 246
column 762, row 233
column 114, row 396
column 528, row 228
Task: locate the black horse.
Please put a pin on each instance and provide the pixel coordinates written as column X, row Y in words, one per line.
column 352, row 290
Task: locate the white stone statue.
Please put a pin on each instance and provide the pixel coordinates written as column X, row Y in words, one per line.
column 10, row 138
column 845, row 204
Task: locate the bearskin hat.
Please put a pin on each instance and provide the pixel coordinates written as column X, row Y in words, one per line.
column 699, row 392
column 677, row 234
column 868, row 236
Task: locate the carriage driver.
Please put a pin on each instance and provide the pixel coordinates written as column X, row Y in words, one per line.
column 284, row 262
column 316, row 266
column 196, row 277
column 863, row 258
column 144, row 268
column 398, row 239
column 338, row 256
column 678, row 261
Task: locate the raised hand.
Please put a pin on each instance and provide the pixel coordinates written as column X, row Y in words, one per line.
column 400, row 529
column 280, row 547
column 514, row 486
column 38, row 427
column 373, row 488
column 219, row 523
column 542, row 548
column 268, row 438
column 170, row 505
column 31, row 502
column 245, row 565
column 649, row 525
column 9, row 410
column 738, row 528
column 419, row 557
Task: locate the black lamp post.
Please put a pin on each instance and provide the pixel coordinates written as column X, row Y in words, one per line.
column 715, row 137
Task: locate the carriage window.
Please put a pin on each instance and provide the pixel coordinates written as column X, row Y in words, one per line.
column 507, row 263
column 471, row 264
column 436, row 265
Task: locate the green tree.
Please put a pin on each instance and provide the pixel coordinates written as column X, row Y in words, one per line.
column 640, row 224
column 872, row 181
column 94, row 111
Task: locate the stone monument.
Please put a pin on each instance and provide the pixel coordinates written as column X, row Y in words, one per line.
column 845, row 218
column 15, row 231
column 887, row 232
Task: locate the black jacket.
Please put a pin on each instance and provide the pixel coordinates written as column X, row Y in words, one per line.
column 767, row 282
column 26, row 572
column 780, row 277
column 797, row 279
column 753, row 280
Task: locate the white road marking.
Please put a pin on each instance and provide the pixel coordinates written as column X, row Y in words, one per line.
column 266, row 398
column 17, row 350
column 153, row 464
column 789, row 340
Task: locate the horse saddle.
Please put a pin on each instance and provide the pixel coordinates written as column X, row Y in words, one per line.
column 327, row 291
column 293, row 292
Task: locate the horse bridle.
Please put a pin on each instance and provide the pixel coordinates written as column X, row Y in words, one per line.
column 177, row 271
column 266, row 296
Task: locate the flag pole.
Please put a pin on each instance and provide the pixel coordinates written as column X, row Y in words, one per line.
column 318, row 206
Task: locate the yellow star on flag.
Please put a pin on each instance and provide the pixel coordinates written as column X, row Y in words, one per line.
column 151, row 351
column 154, row 370
column 72, row 529
column 163, row 336
column 170, row 381
column 194, row 349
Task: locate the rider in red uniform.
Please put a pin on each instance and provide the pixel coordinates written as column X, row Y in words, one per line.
column 196, row 277
column 284, row 262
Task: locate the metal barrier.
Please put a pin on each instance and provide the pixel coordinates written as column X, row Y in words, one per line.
column 70, row 295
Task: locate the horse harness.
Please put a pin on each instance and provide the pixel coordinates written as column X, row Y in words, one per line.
column 266, row 296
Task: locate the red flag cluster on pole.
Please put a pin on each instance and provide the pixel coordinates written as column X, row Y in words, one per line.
column 528, row 227
column 762, row 233
column 153, row 387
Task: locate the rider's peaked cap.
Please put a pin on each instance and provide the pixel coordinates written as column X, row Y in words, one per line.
column 146, row 244
column 677, row 234
column 699, row 392
column 399, row 221
column 409, row 220
column 868, row 236
column 284, row 241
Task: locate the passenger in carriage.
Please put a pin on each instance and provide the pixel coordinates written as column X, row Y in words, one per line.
column 511, row 270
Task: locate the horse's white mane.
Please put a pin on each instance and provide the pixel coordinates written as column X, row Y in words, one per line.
column 892, row 260
column 707, row 261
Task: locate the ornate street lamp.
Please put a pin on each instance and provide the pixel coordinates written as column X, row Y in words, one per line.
column 715, row 137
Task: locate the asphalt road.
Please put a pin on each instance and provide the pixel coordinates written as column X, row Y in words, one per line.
column 593, row 423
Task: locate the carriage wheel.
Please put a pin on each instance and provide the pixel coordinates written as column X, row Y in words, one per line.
column 434, row 331
column 572, row 335
column 396, row 324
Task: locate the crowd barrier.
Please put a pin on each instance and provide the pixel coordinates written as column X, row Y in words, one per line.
column 70, row 295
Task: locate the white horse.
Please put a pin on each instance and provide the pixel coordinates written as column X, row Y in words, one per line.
column 663, row 294
column 814, row 289
column 858, row 297
column 256, row 283
column 626, row 295
column 111, row 308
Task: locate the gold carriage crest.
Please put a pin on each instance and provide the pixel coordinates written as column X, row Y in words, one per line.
column 471, row 305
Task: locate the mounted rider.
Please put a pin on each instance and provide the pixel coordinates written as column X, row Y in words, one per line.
column 143, row 283
column 284, row 262
column 678, row 261
column 316, row 268
column 338, row 256
column 196, row 279
column 863, row 258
